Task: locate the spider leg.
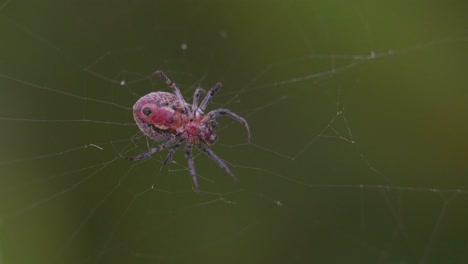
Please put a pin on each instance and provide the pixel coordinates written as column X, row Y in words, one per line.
column 175, row 90
column 209, row 95
column 218, row 160
column 151, row 151
column 219, row 112
column 172, row 151
column 191, row 166
column 196, row 97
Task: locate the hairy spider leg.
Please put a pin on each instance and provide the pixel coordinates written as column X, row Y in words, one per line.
column 191, row 166
column 196, row 97
column 218, row 160
column 175, row 90
column 150, row 152
column 208, row 96
column 171, row 152
column 219, row 112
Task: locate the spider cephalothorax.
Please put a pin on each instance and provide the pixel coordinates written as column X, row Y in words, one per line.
column 167, row 117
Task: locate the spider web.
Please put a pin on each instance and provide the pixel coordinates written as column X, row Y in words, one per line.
column 357, row 112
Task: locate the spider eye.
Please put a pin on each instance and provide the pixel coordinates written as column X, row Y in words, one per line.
column 146, row 111
column 211, row 139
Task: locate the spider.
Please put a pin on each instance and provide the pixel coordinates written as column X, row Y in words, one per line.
column 166, row 117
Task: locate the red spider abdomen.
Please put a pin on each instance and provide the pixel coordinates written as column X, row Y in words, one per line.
column 163, row 118
column 158, row 115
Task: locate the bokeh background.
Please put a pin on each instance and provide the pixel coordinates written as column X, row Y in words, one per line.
column 358, row 112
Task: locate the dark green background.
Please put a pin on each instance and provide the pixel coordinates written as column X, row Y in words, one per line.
column 385, row 181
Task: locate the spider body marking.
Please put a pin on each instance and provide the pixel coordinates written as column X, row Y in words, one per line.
column 166, row 117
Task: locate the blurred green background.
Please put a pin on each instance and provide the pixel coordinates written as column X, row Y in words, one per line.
column 358, row 112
